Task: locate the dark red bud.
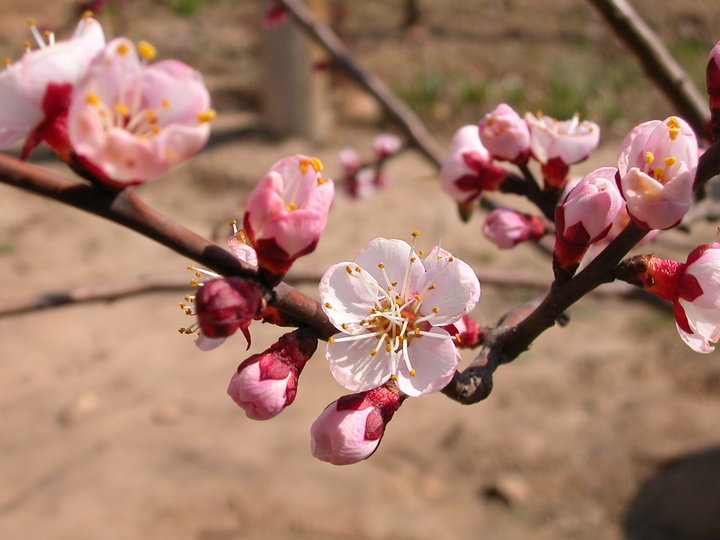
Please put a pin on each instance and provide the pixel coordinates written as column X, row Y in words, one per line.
column 225, row 305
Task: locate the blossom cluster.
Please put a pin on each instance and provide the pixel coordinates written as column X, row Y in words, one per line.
column 103, row 107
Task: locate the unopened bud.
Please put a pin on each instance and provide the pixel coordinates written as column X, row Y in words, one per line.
column 225, row 305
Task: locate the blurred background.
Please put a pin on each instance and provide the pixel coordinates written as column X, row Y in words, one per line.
column 117, row 427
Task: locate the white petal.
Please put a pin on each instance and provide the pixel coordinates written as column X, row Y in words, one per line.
column 395, row 256
column 695, row 342
column 354, row 368
column 347, row 298
column 434, row 361
column 205, row 343
column 456, row 291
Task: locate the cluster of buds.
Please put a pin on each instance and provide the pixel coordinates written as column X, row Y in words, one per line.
column 360, row 180
column 103, row 107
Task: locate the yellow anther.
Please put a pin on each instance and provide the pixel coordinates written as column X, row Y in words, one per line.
column 416, row 331
column 348, row 270
column 412, row 372
column 331, row 339
column 670, row 161
column 165, row 103
column 373, row 352
column 436, row 309
column 674, row 132
column 450, row 259
column 290, row 207
column 390, row 288
column 182, row 306
column 357, row 269
column 233, row 222
column 190, row 267
column 198, row 274
column 155, row 130
column 394, row 283
column 27, row 45
column 7, row 61
column 188, row 311
column 388, row 348
column 393, row 377
column 146, row 50
column 421, row 252
column 317, row 164
column 344, row 326
column 413, row 259
column 381, row 265
column 122, row 49
column 87, row 14
column 321, row 180
column 31, row 22
column 206, row 116
column 92, row 98
column 47, row 34
column 194, row 283
column 304, row 165
column 122, row 109
column 658, row 173
column 649, row 157
column 328, row 305
column 181, row 330
column 457, row 338
column 431, row 287
column 415, row 234
column 673, row 125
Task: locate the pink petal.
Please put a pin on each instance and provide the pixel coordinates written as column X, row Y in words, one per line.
column 434, row 361
column 349, row 297
column 395, row 255
column 353, row 366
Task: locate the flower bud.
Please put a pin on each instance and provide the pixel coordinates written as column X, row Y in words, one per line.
column 506, row 228
column 692, row 287
column 468, row 170
column 557, row 145
column 266, row 383
column 656, row 167
column 467, row 332
column 350, row 161
column 349, row 429
column 505, row 134
column 287, row 212
column 225, row 305
column 385, row 145
column 585, row 216
column 713, row 88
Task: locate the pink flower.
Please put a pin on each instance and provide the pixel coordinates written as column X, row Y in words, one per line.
column 130, row 122
column 266, row 383
column 349, row 429
column 287, row 212
column 657, row 166
column 35, row 91
column 692, row 287
column 505, row 134
column 556, row 145
column 586, row 215
column 223, row 306
column 506, row 228
column 468, row 170
column 385, row 145
column 360, row 185
column 390, row 308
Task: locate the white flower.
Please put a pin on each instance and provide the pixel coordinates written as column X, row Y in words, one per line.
column 389, row 307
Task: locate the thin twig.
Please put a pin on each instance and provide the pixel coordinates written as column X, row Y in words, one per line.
column 394, row 107
column 660, row 66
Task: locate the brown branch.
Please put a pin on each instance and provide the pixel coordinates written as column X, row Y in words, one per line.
column 394, row 106
column 510, row 338
column 127, row 209
column 659, row 65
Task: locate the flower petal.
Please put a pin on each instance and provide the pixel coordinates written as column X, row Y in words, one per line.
column 353, row 366
column 434, row 361
column 396, row 256
column 349, row 297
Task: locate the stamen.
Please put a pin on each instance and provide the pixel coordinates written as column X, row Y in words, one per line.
column 93, row 99
column 206, row 116
column 670, row 161
column 7, row 61
column 649, row 157
column 146, row 50
column 122, row 49
column 87, row 14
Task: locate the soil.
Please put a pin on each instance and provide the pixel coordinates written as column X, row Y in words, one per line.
column 114, row 426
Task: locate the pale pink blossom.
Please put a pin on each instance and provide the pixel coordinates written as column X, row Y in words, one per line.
column 266, row 383
column 468, row 169
column 287, row 211
column 389, row 307
column 385, row 145
column 657, row 165
column 506, row 228
column 505, row 134
column 569, row 141
column 349, row 429
column 131, row 121
column 350, row 161
column 35, row 90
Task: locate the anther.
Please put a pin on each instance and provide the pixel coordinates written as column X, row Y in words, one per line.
column 393, row 378
column 348, row 270
column 436, row 309
column 92, row 98
column 413, row 259
column 122, row 109
column 670, row 161
column 206, row 116
column 415, row 234
column 328, row 305
column 122, row 49
column 146, row 50
column 381, row 265
column 649, row 157
column 87, row 14
column 421, row 252
column 331, row 339
column 373, row 352
column 7, row 61
column 412, row 372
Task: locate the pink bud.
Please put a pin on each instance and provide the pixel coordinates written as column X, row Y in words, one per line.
column 657, row 166
column 468, row 170
column 266, row 383
column 350, row 161
column 467, row 331
column 692, row 287
column 287, row 212
column 349, row 429
column 131, row 121
column 35, row 90
column 386, row 145
column 585, row 216
column 506, row 228
column 225, row 305
column 505, row 134
column 713, row 88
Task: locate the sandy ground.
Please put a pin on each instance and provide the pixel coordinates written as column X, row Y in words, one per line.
column 116, row 427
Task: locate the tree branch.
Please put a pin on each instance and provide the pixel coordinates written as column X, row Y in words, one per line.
column 660, row 66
